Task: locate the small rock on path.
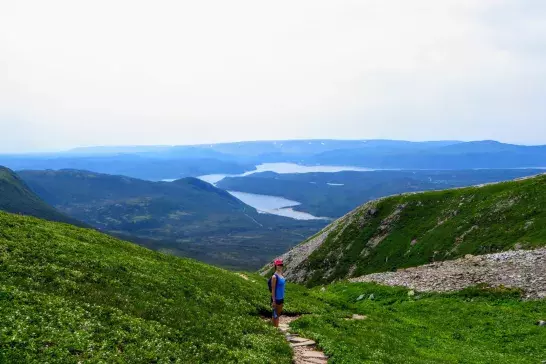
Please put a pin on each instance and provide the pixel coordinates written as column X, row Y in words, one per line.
column 357, row 317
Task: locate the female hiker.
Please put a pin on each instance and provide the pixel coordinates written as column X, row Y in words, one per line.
column 277, row 292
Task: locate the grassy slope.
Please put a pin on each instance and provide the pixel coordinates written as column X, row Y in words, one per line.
column 16, row 197
column 414, row 229
column 186, row 217
column 70, row 295
column 473, row 326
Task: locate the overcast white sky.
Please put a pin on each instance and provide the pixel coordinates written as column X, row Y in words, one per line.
column 80, row 73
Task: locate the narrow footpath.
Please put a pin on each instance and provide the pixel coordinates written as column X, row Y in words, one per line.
column 305, row 350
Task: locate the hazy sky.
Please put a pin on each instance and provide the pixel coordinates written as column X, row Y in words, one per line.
column 78, row 73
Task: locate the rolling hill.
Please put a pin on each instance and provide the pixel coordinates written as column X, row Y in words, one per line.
column 418, row 228
column 16, row 197
column 187, row 217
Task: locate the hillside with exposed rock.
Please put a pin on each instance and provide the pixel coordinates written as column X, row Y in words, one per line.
column 522, row 269
column 414, row 229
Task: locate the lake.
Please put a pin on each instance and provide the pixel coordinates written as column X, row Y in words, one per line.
column 278, row 205
column 274, row 205
column 284, row 168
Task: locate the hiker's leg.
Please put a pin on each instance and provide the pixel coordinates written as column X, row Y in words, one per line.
column 275, row 318
column 277, row 311
column 273, row 315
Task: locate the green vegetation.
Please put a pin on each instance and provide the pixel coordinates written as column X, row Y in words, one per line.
column 70, row 295
column 335, row 194
column 473, row 326
column 415, row 229
column 17, row 198
column 187, row 217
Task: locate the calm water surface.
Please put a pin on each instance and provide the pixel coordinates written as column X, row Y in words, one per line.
column 284, row 168
column 273, row 205
column 278, row 205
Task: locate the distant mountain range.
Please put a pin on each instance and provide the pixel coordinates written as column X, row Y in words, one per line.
column 16, row 197
column 150, row 167
column 171, row 162
column 483, row 154
column 265, row 148
column 186, row 217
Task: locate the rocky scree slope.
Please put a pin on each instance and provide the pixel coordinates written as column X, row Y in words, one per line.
column 414, row 229
column 523, row 269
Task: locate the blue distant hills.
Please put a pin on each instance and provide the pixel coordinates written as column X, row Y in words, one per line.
column 116, row 189
column 170, row 162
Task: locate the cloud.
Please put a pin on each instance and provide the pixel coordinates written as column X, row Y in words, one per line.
column 176, row 72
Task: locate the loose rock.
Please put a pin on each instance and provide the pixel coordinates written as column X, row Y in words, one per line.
column 359, row 317
column 524, row 269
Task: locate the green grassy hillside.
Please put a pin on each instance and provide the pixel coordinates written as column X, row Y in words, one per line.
column 69, row 295
column 476, row 325
column 16, row 197
column 414, row 229
column 186, row 217
column 73, row 295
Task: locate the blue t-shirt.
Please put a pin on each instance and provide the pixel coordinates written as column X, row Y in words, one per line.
column 279, row 291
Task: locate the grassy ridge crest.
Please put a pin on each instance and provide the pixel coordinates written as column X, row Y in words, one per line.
column 16, row 197
column 418, row 228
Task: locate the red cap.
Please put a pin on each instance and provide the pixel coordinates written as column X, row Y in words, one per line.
column 278, row 262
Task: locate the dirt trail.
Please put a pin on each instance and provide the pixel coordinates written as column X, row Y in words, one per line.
column 305, row 350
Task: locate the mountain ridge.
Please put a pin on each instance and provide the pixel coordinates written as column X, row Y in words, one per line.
column 17, row 197
column 187, row 217
column 170, row 162
column 413, row 229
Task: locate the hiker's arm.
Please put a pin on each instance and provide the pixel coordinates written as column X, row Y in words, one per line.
column 273, row 288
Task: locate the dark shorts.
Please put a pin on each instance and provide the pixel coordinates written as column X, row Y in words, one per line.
column 279, row 302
